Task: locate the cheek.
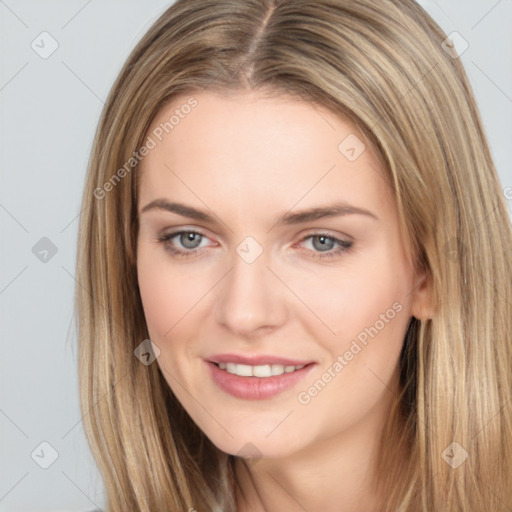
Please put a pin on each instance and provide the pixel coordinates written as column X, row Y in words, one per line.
column 368, row 309
column 156, row 296
column 171, row 300
column 340, row 302
column 168, row 293
column 361, row 314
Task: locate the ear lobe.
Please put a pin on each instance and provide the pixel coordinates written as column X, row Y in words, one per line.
column 422, row 303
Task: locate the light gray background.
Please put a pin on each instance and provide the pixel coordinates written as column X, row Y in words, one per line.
column 49, row 111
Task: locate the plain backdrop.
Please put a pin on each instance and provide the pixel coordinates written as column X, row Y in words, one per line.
column 50, row 104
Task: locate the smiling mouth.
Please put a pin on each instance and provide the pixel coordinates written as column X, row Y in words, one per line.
column 262, row 371
column 257, row 381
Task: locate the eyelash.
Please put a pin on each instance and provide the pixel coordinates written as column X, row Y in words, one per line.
column 343, row 246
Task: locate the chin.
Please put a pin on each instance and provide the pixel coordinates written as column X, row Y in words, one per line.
column 254, row 445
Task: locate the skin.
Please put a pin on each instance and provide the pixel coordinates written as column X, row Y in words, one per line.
column 247, row 158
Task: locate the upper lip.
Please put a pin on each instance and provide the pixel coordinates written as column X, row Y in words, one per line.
column 255, row 360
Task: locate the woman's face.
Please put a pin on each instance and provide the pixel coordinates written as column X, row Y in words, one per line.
column 297, row 260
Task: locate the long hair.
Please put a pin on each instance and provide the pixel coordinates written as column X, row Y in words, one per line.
column 381, row 64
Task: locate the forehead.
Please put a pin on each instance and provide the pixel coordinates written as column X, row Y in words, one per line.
column 261, row 149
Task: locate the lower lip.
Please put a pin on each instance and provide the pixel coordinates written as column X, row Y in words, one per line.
column 255, row 388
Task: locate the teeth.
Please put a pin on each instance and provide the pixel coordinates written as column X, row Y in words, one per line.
column 277, row 369
column 266, row 370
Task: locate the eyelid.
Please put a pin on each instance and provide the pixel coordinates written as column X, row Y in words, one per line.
column 169, row 235
column 326, row 232
column 183, row 229
column 341, row 244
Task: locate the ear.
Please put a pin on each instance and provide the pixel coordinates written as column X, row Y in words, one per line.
column 422, row 306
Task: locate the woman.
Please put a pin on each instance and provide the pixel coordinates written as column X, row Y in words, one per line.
column 294, row 258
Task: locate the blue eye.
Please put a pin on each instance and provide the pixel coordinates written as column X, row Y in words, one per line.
column 190, row 240
column 327, row 242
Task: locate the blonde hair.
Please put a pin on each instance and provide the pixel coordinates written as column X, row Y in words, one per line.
column 380, row 64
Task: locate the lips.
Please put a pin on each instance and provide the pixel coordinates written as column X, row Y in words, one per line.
column 257, row 360
column 259, row 387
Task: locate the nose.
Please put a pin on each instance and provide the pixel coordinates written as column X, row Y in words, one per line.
column 250, row 299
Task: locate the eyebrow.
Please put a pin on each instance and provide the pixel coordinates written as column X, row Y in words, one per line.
column 287, row 218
